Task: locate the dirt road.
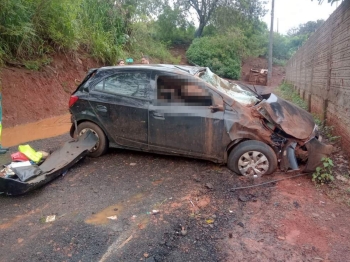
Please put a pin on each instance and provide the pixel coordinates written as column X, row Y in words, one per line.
column 198, row 217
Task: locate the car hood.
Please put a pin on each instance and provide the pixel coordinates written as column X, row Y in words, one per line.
column 290, row 118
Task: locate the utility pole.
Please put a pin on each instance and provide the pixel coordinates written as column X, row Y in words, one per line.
column 269, row 72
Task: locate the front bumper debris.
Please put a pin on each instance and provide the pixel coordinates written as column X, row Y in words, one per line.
column 316, row 151
column 55, row 165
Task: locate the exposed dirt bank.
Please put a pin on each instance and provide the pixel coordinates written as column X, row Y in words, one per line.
column 29, row 96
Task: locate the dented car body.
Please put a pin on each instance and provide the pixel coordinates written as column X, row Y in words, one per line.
column 190, row 111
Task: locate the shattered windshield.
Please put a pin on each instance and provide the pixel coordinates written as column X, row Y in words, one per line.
column 231, row 89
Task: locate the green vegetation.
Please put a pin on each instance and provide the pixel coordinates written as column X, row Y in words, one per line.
column 221, row 53
column 323, row 174
column 287, row 92
column 108, row 30
column 284, row 46
column 32, row 30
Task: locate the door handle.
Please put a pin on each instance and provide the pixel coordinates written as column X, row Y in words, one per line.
column 158, row 115
column 102, row 109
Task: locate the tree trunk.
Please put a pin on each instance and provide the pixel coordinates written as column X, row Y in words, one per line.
column 199, row 31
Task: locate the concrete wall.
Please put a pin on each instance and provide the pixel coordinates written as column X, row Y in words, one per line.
column 320, row 72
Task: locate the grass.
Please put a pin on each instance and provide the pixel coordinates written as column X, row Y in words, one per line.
column 287, row 92
column 338, row 190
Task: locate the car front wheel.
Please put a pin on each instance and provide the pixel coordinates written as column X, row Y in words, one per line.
column 252, row 158
column 102, row 144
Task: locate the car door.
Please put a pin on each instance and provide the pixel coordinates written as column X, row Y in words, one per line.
column 121, row 102
column 181, row 120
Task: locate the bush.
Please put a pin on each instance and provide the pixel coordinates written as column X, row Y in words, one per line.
column 222, row 53
column 287, row 92
column 172, row 27
column 323, row 174
column 141, row 42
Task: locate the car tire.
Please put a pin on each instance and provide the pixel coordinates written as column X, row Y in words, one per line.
column 252, row 158
column 102, row 142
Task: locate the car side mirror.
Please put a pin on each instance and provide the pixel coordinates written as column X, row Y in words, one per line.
column 216, row 108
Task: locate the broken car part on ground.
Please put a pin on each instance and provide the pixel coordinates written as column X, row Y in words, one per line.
column 190, row 111
column 26, row 178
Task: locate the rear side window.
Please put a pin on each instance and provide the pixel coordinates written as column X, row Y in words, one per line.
column 134, row 84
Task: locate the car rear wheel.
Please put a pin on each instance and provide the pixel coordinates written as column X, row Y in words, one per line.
column 252, row 159
column 102, row 143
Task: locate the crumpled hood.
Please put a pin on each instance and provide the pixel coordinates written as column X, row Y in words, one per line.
column 290, row 118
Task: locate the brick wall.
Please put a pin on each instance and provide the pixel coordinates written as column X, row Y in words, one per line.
column 320, row 72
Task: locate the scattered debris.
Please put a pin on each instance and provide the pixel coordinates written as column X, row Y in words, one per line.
column 209, row 186
column 112, row 217
column 50, row 218
column 243, row 198
column 132, row 164
column 183, row 231
column 296, row 204
column 197, row 179
column 209, row 221
column 192, row 203
column 315, row 215
column 146, row 255
column 154, row 212
column 281, row 238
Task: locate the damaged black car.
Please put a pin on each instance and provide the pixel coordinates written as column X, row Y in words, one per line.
column 190, row 111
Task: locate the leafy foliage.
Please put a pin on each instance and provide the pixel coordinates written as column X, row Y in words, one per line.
column 31, row 29
column 284, row 46
column 323, row 174
column 173, row 28
column 287, row 92
column 222, row 53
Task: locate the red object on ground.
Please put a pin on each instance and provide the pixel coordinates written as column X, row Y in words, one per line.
column 19, row 157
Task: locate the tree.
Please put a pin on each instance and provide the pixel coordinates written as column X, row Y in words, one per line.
column 204, row 10
column 240, row 13
column 173, row 27
column 305, row 29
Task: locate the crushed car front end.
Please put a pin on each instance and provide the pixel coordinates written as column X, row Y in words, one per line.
column 289, row 130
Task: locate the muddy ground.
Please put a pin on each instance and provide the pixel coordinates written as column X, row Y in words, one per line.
column 201, row 217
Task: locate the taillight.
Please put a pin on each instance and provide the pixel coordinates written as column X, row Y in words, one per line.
column 72, row 100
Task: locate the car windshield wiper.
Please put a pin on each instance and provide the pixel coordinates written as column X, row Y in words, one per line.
column 181, row 68
column 253, row 91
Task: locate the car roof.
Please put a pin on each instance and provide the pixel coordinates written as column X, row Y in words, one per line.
column 181, row 69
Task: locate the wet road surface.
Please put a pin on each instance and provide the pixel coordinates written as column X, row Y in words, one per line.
column 45, row 128
column 104, row 212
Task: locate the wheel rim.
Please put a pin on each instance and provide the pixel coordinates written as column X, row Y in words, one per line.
column 94, row 132
column 253, row 164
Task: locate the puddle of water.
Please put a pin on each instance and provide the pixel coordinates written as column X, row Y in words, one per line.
column 45, row 128
column 101, row 217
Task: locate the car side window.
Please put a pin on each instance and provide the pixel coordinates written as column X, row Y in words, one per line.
column 171, row 89
column 134, row 84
